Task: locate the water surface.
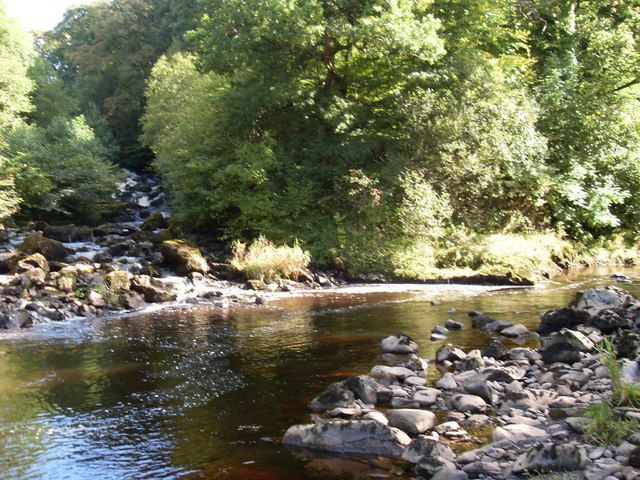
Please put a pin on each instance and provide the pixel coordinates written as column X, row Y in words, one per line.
column 209, row 395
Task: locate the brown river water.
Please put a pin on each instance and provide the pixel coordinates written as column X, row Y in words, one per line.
column 209, row 395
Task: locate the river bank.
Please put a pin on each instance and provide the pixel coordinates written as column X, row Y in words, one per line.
column 539, row 404
column 138, row 264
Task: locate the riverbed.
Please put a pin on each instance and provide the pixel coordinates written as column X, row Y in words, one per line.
column 208, row 395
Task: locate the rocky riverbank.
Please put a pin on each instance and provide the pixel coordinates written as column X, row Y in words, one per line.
column 135, row 263
column 532, row 405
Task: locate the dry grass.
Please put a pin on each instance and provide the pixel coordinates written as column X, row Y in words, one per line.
column 262, row 260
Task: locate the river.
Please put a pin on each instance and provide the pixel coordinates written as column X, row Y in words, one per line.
column 202, row 395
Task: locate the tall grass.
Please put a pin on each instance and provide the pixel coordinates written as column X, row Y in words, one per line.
column 262, row 260
column 607, row 426
column 624, row 394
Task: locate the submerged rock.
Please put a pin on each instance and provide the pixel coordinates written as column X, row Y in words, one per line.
column 349, row 436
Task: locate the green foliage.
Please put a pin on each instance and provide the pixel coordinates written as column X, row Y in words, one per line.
column 262, row 260
column 62, row 171
column 104, row 53
column 607, row 426
column 624, row 394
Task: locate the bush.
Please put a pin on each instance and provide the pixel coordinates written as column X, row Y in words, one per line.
column 262, row 260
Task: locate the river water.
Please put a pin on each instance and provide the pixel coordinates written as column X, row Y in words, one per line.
column 204, row 395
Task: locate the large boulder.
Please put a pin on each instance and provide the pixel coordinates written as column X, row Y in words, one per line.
column 480, row 320
column 364, row 388
column 556, row 320
column 15, row 319
column 412, row 421
column 399, row 344
column 51, row 249
column 183, row 258
column 36, row 260
column 601, row 298
column 612, row 319
column 367, row 437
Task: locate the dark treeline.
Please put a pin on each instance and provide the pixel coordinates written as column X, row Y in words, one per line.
column 382, row 134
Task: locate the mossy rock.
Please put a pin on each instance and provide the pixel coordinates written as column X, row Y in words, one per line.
column 118, row 281
column 183, row 258
column 36, row 260
column 154, row 221
column 66, row 283
column 52, row 250
column 161, row 236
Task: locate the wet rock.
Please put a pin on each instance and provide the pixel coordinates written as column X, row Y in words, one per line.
column 52, row 250
column 480, row 320
column 453, row 325
column 15, row 319
column 627, row 344
column 601, row 298
column 399, row 344
column 153, row 294
column 430, row 466
column 451, row 353
column 437, row 337
column 349, row 436
column 514, row 331
column 133, row 300
column 468, row 403
column 183, row 258
column 556, row 320
column 497, row 350
column 411, row 421
column 95, row 299
column 421, row 447
column 497, row 326
column 610, row 320
column 364, row 388
column 338, row 395
column 68, row 233
column 440, row 330
column 550, row 457
column 517, row 433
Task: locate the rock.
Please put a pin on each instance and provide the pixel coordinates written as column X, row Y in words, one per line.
column 600, row 298
column 564, row 346
column 68, row 233
column 497, row 326
column 451, row 353
column 497, row 350
column 627, row 344
column 634, row 458
column 416, row 364
column 399, row 344
column 133, row 300
column 118, row 281
column 556, row 320
column 95, row 299
column 337, row 395
column 183, row 258
column 478, row 386
column 440, row 330
column 517, row 433
column 516, row 330
column 66, row 283
column 468, row 403
column 415, row 381
column 427, row 397
column 364, row 388
column 8, row 261
column 153, row 294
column 77, row 269
column 549, row 457
column 51, row 249
column 453, row 325
column 447, row 382
column 411, row 421
column 450, row 474
column 398, row 372
column 36, row 260
column 578, row 424
column 155, row 221
column 437, row 337
column 610, row 320
column 15, row 319
column 430, row 466
column 480, row 320
column 377, row 416
column 421, row 447
column 349, row 436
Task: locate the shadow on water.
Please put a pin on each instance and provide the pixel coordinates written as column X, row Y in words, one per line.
column 209, row 396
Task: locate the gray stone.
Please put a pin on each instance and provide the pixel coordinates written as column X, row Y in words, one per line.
column 412, row 421
column 450, row 353
column 427, row 397
column 430, row 466
column 453, row 325
column 600, row 298
column 516, row 330
column 398, row 372
column 447, row 382
column 399, row 344
column 549, row 457
column 422, row 447
column 349, row 436
column 468, row 403
column 336, row 395
column 517, row 433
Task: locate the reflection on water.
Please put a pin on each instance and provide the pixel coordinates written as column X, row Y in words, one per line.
column 208, row 396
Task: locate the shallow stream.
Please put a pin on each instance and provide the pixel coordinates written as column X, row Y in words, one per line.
column 203, row 395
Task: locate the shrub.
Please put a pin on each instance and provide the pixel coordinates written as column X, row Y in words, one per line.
column 262, row 260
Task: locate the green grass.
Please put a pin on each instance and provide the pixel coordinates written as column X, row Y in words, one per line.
column 264, row 261
column 607, row 426
column 624, row 394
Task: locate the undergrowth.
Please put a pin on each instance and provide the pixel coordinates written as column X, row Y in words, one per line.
column 262, row 260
